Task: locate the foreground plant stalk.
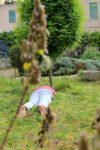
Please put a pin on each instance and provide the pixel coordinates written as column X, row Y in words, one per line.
column 36, row 44
column 46, row 124
column 95, row 139
column 14, row 118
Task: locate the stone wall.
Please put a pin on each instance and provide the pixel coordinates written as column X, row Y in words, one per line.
column 4, row 63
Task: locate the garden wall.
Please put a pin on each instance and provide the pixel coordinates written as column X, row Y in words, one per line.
column 4, row 63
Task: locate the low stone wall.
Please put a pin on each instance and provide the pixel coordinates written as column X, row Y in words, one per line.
column 90, row 75
column 4, row 63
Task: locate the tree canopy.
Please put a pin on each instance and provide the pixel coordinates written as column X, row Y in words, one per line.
column 64, row 21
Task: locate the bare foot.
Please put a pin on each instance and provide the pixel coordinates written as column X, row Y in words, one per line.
column 22, row 111
column 42, row 110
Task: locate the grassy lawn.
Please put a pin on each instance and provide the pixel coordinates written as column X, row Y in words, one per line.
column 74, row 105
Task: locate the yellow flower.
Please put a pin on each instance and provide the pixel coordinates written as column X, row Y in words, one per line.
column 46, row 141
column 41, row 51
column 95, row 132
column 26, row 65
column 69, row 137
column 90, row 119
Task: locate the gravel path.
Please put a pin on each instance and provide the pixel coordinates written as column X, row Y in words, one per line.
column 11, row 73
column 8, row 72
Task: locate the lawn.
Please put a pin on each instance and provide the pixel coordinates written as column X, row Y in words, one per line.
column 74, row 107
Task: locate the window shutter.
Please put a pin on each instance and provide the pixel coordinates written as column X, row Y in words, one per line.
column 12, row 16
column 93, row 10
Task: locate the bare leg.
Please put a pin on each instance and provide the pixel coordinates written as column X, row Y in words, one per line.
column 34, row 100
column 42, row 110
column 22, row 111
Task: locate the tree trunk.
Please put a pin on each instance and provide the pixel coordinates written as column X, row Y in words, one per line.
column 99, row 48
column 83, row 49
column 12, row 1
column 50, row 77
column 21, row 71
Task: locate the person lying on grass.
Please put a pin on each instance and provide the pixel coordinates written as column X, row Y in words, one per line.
column 41, row 98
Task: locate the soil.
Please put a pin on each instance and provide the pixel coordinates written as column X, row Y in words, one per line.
column 10, row 72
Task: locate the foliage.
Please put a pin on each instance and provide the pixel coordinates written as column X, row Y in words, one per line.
column 14, row 55
column 69, row 105
column 84, row 41
column 95, row 39
column 91, row 53
column 89, row 39
column 21, row 33
column 63, row 66
column 82, row 46
column 90, row 65
column 80, row 72
column 67, row 65
column 25, row 14
column 8, row 38
column 10, row 2
column 14, row 40
column 64, row 22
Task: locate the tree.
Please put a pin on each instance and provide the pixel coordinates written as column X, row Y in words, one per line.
column 64, row 21
column 8, row 38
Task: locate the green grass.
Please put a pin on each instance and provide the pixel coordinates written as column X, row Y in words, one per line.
column 74, row 104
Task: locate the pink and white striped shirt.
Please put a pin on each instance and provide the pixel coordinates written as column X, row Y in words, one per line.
column 47, row 88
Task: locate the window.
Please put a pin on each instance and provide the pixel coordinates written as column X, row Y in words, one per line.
column 93, row 11
column 12, row 16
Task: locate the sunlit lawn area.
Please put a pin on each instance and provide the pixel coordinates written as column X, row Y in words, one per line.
column 74, row 107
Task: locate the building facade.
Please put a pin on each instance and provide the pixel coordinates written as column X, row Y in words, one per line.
column 8, row 16
column 92, row 15
column 2, row 2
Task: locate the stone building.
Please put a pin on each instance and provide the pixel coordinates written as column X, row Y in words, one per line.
column 92, row 13
column 8, row 16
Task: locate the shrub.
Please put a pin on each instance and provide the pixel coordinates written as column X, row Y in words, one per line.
column 88, row 39
column 63, row 66
column 94, row 39
column 84, row 42
column 79, row 66
column 80, row 72
column 91, row 53
column 8, row 38
column 14, row 53
column 90, row 65
column 67, row 65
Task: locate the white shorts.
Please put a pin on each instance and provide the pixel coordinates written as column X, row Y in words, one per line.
column 40, row 97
